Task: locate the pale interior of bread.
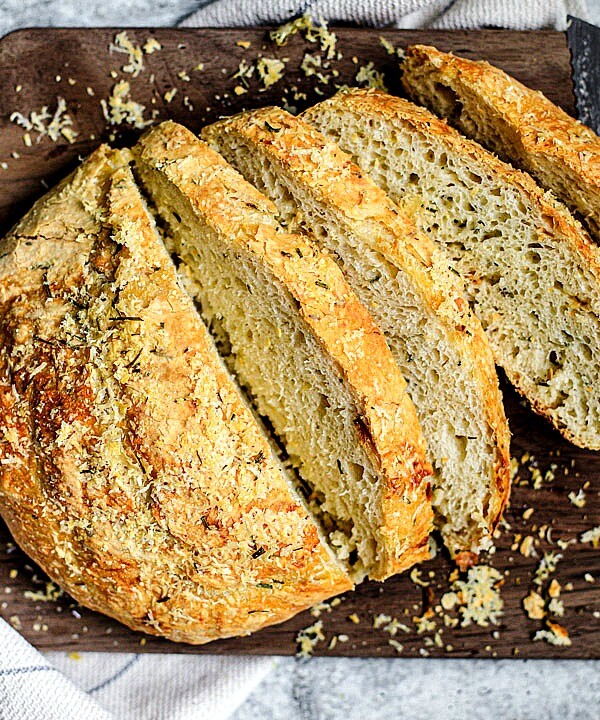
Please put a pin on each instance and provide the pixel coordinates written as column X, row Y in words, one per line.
column 535, row 296
column 440, row 379
column 479, row 118
column 287, row 374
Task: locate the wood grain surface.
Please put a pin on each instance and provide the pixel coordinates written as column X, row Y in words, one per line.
column 38, row 66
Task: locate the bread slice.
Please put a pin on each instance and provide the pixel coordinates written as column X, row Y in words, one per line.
column 519, row 124
column 304, row 347
column 414, row 298
column 132, row 469
column 532, row 272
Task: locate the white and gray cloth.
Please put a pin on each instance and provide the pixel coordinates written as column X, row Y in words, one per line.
column 438, row 14
column 128, row 686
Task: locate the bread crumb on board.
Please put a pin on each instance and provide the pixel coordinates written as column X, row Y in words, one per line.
column 554, row 634
column 535, row 606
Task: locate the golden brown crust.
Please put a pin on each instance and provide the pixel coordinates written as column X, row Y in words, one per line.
column 558, row 221
column 339, row 182
column 522, row 125
column 341, row 324
column 132, row 471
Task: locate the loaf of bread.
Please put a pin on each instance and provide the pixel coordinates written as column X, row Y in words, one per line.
column 519, row 124
column 132, row 469
column 415, row 299
column 532, row 273
column 307, row 351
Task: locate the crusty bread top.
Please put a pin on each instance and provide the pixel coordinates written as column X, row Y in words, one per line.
column 388, row 424
column 132, row 470
column 520, row 124
column 387, row 229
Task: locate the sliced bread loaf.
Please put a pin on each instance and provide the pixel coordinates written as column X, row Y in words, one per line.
column 519, row 124
column 531, row 271
column 414, row 298
column 305, row 348
column 132, row 469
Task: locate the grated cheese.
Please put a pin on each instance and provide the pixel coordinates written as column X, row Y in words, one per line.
column 60, row 123
column 170, row 94
column 122, row 109
column 311, row 65
column 151, row 45
column 308, row 638
column 51, row 593
column 546, row 567
column 578, row 498
column 556, row 607
column 135, row 57
column 398, row 647
column 591, row 536
column 313, row 33
column 415, row 576
column 270, row 71
column 368, row 76
column 390, row 49
column 389, row 624
column 479, row 596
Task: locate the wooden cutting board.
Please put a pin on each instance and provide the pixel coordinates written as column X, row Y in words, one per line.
column 38, row 66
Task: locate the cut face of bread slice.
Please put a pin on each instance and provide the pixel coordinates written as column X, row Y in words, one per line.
column 532, row 272
column 132, row 469
column 306, row 349
column 519, row 124
column 414, row 298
